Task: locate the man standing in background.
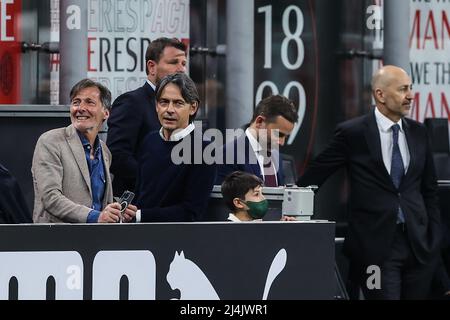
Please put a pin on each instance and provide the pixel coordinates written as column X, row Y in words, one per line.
column 394, row 219
column 257, row 150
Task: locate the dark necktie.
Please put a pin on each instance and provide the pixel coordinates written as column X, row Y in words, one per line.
column 270, row 178
column 397, row 168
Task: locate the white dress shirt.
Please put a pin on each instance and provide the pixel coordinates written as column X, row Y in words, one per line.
column 257, row 149
column 151, row 85
column 178, row 134
column 385, row 128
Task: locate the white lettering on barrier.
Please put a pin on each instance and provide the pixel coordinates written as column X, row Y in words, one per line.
column 32, row 270
column 110, row 266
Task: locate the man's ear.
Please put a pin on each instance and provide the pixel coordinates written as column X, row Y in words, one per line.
column 105, row 114
column 194, row 108
column 379, row 95
column 260, row 122
column 151, row 67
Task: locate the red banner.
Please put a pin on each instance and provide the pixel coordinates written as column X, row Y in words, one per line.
column 10, row 51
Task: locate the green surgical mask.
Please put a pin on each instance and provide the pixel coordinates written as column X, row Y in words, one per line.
column 257, row 209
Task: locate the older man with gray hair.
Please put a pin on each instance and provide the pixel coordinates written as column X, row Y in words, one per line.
column 71, row 178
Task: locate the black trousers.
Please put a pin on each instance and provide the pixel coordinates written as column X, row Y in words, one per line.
column 402, row 277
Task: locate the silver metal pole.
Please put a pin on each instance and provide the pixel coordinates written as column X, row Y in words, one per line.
column 396, row 33
column 240, row 62
column 73, row 46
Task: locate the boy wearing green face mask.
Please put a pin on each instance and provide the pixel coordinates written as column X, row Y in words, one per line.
column 242, row 193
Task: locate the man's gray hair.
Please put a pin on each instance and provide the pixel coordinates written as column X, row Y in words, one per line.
column 185, row 84
column 105, row 94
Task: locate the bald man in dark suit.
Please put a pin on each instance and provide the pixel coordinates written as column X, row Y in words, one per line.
column 394, row 220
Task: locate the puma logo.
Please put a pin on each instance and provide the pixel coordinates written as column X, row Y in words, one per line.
column 193, row 284
column 187, row 277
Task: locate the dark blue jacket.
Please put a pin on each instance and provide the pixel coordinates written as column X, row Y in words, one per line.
column 133, row 116
column 169, row 192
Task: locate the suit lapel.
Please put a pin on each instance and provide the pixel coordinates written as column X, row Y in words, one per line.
column 277, row 162
column 372, row 136
column 410, row 138
column 255, row 169
column 78, row 152
column 251, row 161
column 149, row 90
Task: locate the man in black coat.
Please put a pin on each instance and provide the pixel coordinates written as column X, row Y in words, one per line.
column 133, row 114
column 394, row 220
column 13, row 208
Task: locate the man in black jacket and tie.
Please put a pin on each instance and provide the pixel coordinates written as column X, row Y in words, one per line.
column 133, row 114
column 256, row 150
column 394, row 221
